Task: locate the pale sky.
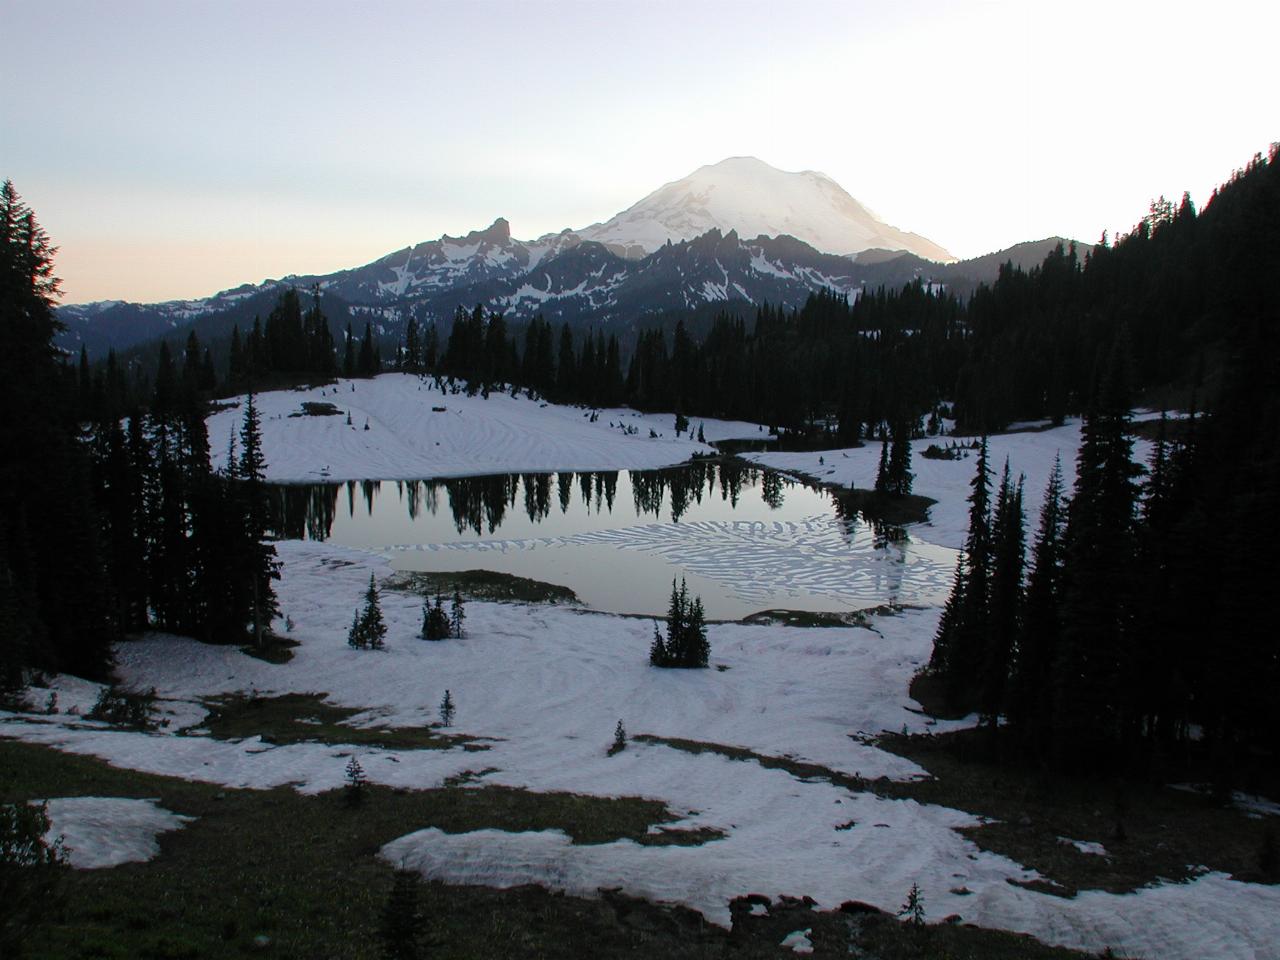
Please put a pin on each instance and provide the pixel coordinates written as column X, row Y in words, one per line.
column 176, row 148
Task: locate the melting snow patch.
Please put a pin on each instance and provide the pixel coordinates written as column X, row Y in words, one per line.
column 106, row 831
column 798, row 940
column 1085, row 846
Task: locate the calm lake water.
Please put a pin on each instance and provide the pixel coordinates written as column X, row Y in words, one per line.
column 746, row 539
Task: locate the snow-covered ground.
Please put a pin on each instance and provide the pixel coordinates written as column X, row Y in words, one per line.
column 1030, row 453
column 545, row 685
column 408, row 439
column 107, row 831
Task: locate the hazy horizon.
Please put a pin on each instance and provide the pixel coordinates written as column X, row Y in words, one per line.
column 175, row 150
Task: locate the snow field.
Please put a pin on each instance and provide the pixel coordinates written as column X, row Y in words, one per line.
column 407, row 440
column 542, row 687
column 107, row 831
column 547, row 684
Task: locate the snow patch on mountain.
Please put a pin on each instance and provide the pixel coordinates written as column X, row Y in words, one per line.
column 748, row 195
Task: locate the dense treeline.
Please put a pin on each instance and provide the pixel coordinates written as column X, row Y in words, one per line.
column 1133, row 639
column 111, row 519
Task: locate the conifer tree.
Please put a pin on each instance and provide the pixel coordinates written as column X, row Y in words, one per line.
column 457, row 614
column 1097, row 580
column 1005, row 603
column 356, row 782
column 1030, row 701
column 259, row 557
column 447, row 710
column 435, row 622
column 48, row 522
column 685, row 644
column 900, row 475
column 369, row 631
column 368, row 363
column 658, row 648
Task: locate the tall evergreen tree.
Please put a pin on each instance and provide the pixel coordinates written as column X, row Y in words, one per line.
column 48, row 521
column 259, row 562
column 1005, row 602
column 1030, row 695
column 1090, row 721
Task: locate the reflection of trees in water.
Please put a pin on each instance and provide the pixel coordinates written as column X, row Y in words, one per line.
column 480, row 504
column 564, row 487
column 537, row 495
column 883, row 532
column 417, row 494
column 688, row 485
column 302, row 511
column 771, row 490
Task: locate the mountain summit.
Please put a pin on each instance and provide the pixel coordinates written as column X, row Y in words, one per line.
column 753, row 198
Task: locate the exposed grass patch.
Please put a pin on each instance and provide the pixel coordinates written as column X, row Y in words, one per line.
column 797, row 768
column 806, row 618
column 1150, row 832
column 302, row 870
column 860, row 930
column 811, row 618
column 301, row 717
column 481, row 585
column 274, row 649
column 317, row 408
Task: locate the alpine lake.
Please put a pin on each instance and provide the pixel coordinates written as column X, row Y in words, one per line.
column 746, row 539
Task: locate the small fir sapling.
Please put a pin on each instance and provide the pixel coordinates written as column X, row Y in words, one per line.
column 913, row 910
column 356, row 781
column 368, row 630
column 446, row 710
column 619, row 739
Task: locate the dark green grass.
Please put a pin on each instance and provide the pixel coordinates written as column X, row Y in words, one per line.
column 1151, row 832
column 481, row 585
column 302, row 870
column 300, row 717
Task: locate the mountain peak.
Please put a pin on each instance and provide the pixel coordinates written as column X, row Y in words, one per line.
column 749, row 195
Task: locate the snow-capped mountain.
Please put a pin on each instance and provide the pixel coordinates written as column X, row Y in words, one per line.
column 589, row 283
column 755, row 199
column 445, row 264
column 739, row 230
